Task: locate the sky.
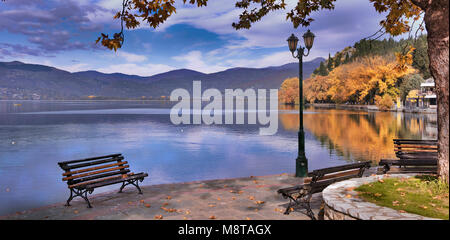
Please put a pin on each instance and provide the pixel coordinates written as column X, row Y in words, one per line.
column 62, row 34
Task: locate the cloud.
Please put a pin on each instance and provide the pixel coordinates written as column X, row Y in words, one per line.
column 195, row 60
column 131, row 57
column 50, row 26
column 147, row 69
column 18, row 50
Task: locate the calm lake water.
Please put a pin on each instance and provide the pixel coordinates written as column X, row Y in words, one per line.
column 35, row 135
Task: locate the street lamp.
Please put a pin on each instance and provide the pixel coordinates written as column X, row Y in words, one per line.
column 301, row 163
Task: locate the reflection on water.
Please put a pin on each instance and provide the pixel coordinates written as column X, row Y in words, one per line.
column 31, row 144
column 363, row 135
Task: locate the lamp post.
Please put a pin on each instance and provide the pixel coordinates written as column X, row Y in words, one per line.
column 301, row 163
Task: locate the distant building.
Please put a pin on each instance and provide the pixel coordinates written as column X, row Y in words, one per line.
column 428, row 93
column 425, row 97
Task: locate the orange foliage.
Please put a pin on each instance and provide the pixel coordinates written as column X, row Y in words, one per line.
column 358, row 82
column 289, row 91
column 384, row 103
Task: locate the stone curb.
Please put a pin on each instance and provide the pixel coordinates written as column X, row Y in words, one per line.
column 342, row 203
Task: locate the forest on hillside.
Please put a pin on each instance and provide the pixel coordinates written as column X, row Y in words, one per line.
column 377, row 72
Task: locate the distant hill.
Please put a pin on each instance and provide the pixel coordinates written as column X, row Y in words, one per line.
column 31, row 81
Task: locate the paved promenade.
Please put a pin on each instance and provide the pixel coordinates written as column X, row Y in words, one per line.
column 241, row 199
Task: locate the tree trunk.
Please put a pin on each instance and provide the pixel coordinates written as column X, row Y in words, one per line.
column 436, row 23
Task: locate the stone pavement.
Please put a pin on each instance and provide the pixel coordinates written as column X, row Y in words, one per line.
column 240, row 199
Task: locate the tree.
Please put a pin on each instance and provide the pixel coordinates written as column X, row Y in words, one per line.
column 289, row 90
column 408, row 83
column 347, row 58
column 330, row 63
column 337, row 60
column 322, row 69
column 420, row 57
column 397, row 21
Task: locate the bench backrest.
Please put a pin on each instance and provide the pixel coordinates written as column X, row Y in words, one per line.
column 91, row 170
column 415, row 149
column 319, row 179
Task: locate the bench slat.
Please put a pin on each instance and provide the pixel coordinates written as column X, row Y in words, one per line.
column 99, row 180
column 416, row 146
column 411, row 162
column 334, row 175
column 412, row 170
column 90, row 159
column 114, row 181
column 94, row 168
column 95, row 172
column 84, row 179
column 67, row 167
column 324, row 171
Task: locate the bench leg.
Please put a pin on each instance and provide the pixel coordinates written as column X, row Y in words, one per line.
column 132, row 182
column 70, row 198
column 304, row 202
column 79, row 193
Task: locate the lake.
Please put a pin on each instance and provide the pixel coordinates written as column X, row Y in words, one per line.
column 35, row 135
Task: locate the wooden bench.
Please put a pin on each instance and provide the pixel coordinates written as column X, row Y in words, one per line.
column 407, row 166
column 317, row 181
column 84, row 175
column 415, row 149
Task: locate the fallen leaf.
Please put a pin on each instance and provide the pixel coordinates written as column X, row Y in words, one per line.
column 247, row 218
column 218, row 199
column 395, row 203
column 165, row 204
column 377, row 194
column 259, row 202
column 402, row 211
column 76, row 211
column 240, row 192
column 350, row 189
column 348, row 196
column 233, row 198
column 381, row 180
column 211, row 205
column 169, row 197
column 251, row 198
column 159, row 217
column 212, row 217
column 188, row 212
column 147, row 205
column 141, row 201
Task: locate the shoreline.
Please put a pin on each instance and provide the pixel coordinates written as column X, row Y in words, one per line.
column 369, row 108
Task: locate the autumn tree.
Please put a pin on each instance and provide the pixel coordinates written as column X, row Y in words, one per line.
column 399, row 15
column 362, row 81
column 289, row 91
column 408, row 83
column 329, row 63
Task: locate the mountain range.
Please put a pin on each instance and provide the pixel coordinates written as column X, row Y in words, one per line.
column 31, row 81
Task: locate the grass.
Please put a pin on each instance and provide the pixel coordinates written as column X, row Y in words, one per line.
column 423, row 195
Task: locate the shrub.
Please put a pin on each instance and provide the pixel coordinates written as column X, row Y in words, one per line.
column 384, row 103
